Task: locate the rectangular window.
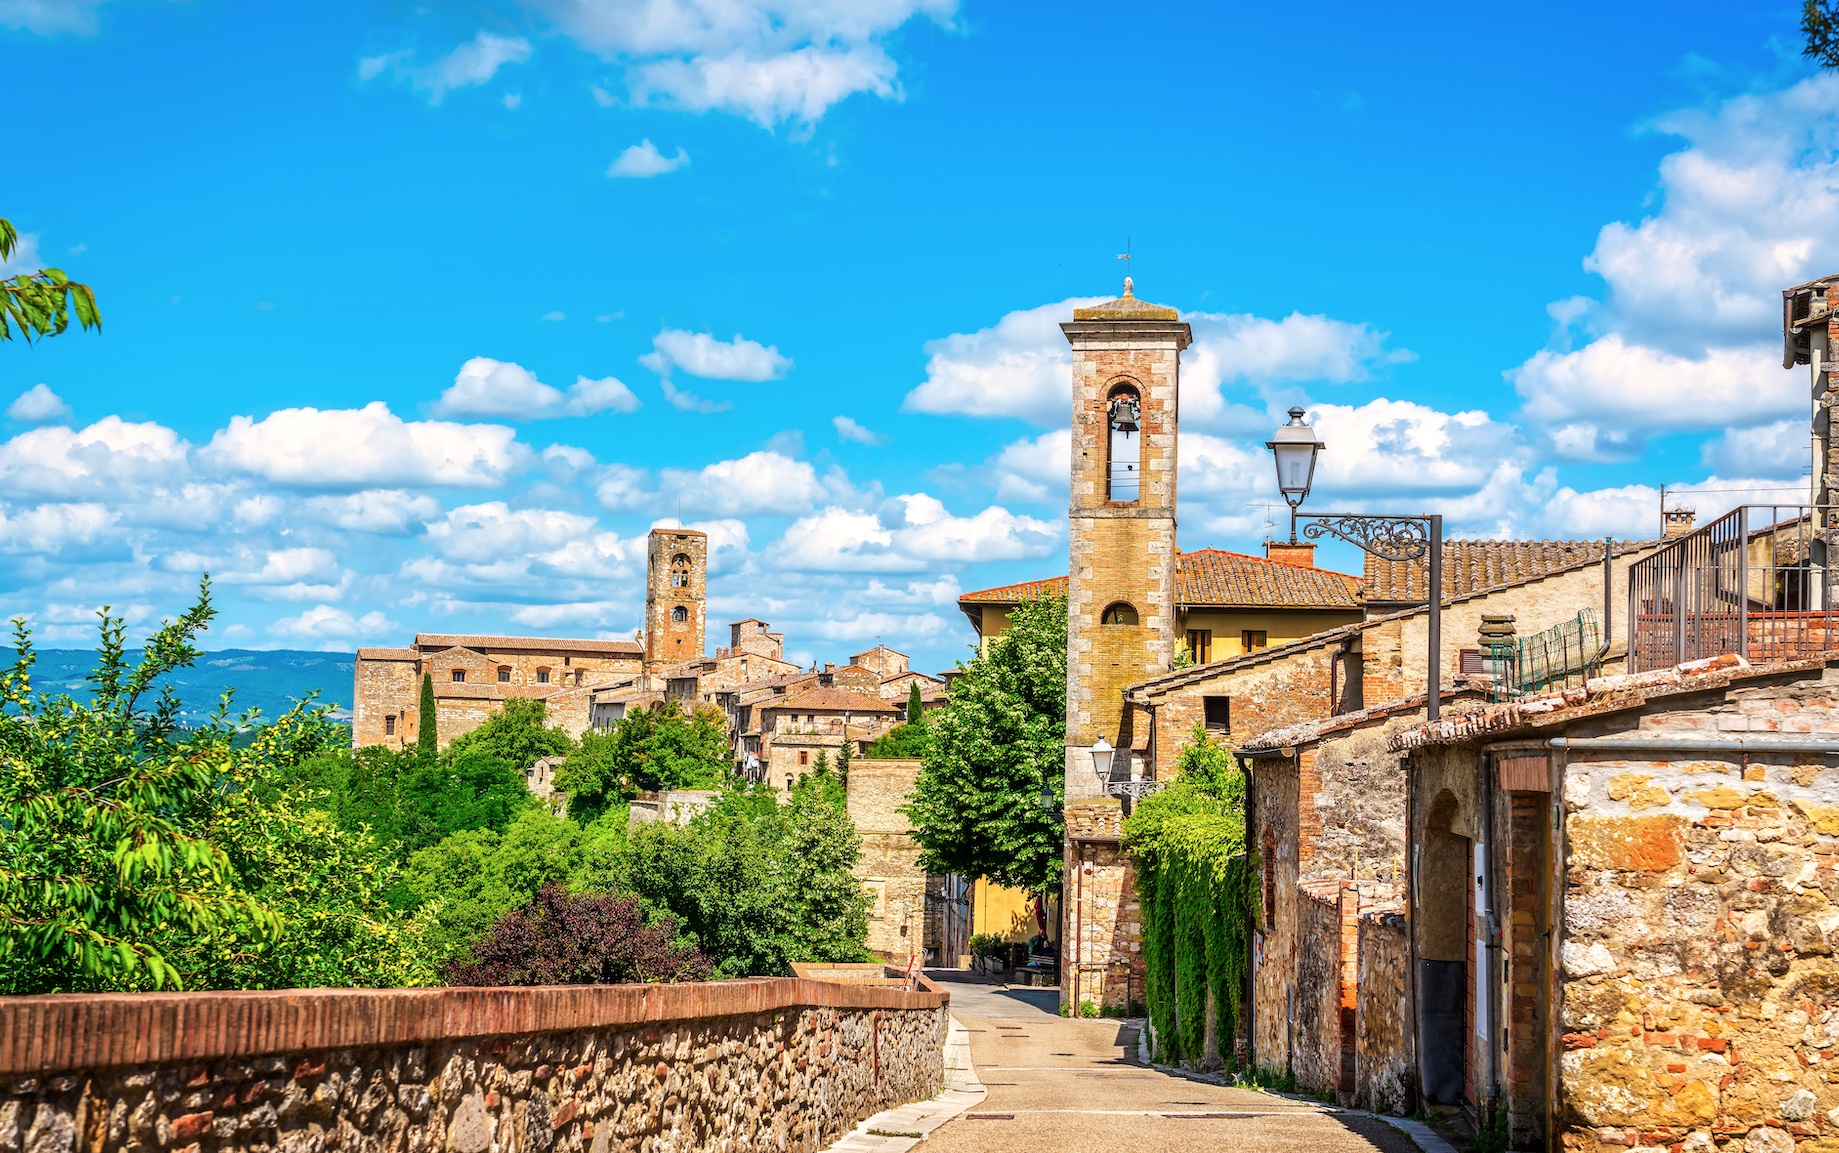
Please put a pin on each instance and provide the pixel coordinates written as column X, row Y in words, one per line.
column 1217, row 712
column 804, row 757
column 459, row 676
column 1254, row 639
column 1200, row 645
column 504, row 674
column 542, row 676
column 389, row 726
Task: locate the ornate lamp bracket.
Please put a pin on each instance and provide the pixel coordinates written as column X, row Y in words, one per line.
column 1395, row 538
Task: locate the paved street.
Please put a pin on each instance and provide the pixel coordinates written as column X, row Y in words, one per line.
column 1063, row 1084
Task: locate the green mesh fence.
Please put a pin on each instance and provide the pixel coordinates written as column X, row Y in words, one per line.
column 1561, row 656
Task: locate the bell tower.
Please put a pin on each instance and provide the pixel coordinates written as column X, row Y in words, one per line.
column 1121, row 591
column 676, row 595
column 1120, row 619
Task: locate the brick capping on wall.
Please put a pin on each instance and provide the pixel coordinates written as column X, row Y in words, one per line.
column 86, row 1031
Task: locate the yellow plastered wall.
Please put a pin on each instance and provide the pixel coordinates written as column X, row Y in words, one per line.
column 1009, row 913
column 1229, row 626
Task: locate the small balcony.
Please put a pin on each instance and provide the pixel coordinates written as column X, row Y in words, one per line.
column 1753, row 582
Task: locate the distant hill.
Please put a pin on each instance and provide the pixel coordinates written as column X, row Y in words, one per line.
column 272, row 680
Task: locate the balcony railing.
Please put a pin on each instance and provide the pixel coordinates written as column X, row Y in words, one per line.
column 1753, row 582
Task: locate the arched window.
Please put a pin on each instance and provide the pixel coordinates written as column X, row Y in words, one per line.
column 679, row 614
column 542, row 676
column 504, row 674
column 1118, row 613
column 680, row 571
column 1124, row 443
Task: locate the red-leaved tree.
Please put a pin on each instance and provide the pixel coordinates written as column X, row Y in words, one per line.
column 565, row 938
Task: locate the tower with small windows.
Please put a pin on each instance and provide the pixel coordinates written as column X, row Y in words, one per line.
column 1121, row 616
column 1121, row 592
column 676, row 595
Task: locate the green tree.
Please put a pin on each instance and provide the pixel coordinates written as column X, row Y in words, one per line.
column 139, row 855
column 468, row 880
column 40, row 304
column 426, row 739
column 976, row 806
column 909, row 740
column 1820, row 25
column 518, row 734
column 826, row 909
column 916, row 706
column 652, row 749
column 845, row 753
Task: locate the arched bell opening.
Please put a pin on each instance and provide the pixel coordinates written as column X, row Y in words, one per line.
column 1123, row 443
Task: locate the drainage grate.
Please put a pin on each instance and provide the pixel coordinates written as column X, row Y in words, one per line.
column 989, row 1116
column 1210, row 1116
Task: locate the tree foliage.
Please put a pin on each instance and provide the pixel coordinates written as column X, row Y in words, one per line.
column 976, row 807
column 1198, row 893
column 518, row 734
column 916, row 704
column 909, row 740
column 39, row 304
column 427, row 738
column 1820, row 25
column 652, row 749
column 140, row 855
column 565, row 938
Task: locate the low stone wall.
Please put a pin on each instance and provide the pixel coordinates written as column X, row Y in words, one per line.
column 1316, row 1013
column 1385, row 1075
column 775, row 1064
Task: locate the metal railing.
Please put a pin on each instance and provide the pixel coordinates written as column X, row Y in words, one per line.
column 1561, row 656
column 1753, row 582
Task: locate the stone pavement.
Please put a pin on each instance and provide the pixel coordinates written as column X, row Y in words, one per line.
column 1052, row 1083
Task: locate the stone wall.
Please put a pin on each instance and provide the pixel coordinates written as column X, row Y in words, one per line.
column 1315, row 1016
column 889, row 866
column 1385, row 1077
column 667, row 639
column 777, row 1064
column 1102, row 919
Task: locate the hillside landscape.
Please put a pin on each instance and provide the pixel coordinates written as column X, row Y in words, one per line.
column 272, row 680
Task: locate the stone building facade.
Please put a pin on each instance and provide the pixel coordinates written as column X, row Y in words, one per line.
column 889, row 867
column 676, row 595
column 1626, row 909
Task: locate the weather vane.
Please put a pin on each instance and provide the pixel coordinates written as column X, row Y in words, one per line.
column 1125, row 255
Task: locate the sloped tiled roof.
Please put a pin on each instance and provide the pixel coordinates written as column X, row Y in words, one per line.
column 832, row 700
column 1212, row 576
column 546, row 644
column 1473, row 566
column 381, row 654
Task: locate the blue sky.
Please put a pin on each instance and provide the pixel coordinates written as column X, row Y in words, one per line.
column 418, row 317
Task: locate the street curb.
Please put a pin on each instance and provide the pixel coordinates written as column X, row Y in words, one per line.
column 963, row 1090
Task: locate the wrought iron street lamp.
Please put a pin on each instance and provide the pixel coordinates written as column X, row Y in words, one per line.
column 1394, row 538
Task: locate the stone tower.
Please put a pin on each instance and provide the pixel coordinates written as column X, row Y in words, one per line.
column 676, row 595
column 1121, row 591
column 1120, row 619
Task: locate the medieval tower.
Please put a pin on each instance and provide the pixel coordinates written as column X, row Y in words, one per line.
column 1120, row 618
column 676, row 595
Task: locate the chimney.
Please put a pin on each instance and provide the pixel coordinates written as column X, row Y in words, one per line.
column 1297, row 553
column 1676, row 522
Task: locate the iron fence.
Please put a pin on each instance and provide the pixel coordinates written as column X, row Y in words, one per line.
column 1753, row 582
column 1559, row 657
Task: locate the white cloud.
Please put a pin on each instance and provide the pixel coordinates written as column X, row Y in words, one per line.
column 683, row 400
column 1039, row 468
column 1387, row 447
column 468, row 65
column 770, row 61
column 1603, row 399
column 367, row 447
column 111, row 458
column 48, row 17
column 1685, row 336
column 484, row 533
column 326, row 623
column 700, row 354
column 759, row 482
column 1782, row 449
column 38, row 405
column 622, row 487
column 911, row 532
column 1021, row 366
column 487, row 387
column 848, row 429
column 80, row 531
column 386, row 511
column 643, row 161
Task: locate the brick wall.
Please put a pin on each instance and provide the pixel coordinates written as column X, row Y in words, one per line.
column 771, row 1064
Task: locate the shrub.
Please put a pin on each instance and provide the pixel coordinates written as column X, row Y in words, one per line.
column 565, row 938
column 992, row 945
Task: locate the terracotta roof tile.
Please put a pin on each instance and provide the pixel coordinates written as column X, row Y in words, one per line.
column 380, row 654
column 1214, row 576
column 1473, row 566
column 545, row 644
column 831, row 700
